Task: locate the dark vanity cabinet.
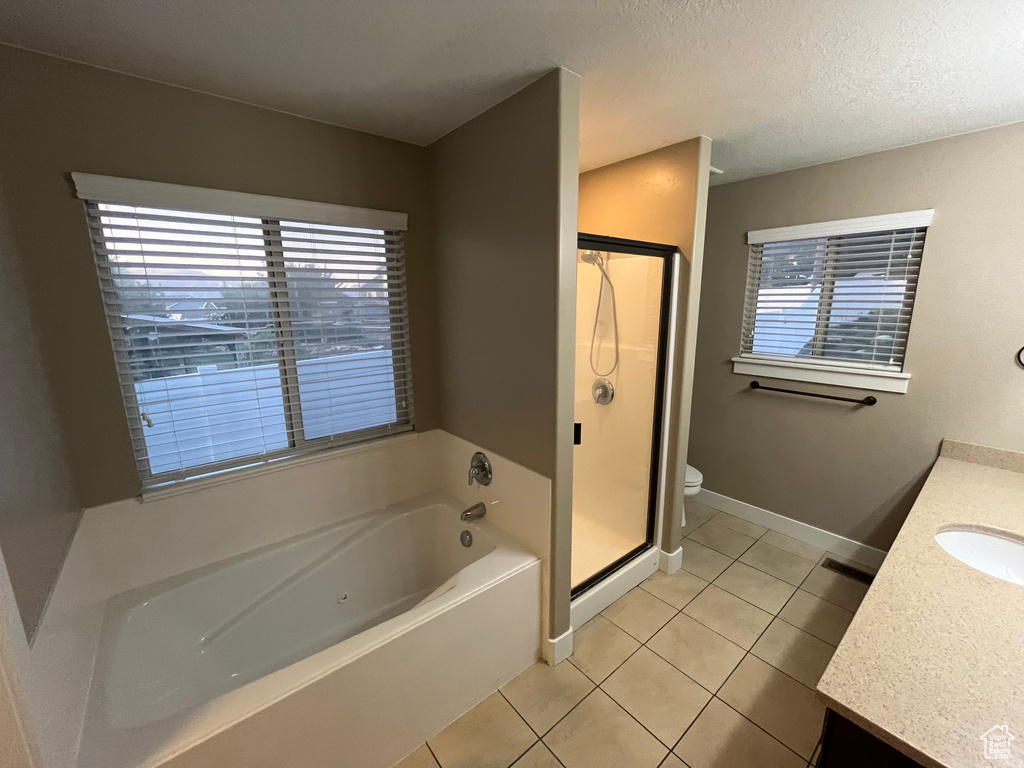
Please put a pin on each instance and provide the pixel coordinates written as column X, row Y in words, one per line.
column 847, row 745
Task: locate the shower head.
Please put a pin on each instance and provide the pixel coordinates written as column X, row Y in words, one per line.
column 592, row 257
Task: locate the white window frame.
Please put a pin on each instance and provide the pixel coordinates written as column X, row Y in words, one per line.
column 837, row 373
column 134, row 192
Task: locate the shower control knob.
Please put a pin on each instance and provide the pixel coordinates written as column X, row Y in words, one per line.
column 603, row 391
column 480, row 469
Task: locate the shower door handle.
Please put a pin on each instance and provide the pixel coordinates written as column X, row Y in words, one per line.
column 577, row 433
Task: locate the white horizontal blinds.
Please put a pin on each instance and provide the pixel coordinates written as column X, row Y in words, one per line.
column 348, row 326
column 843, row 299
column 242, row 339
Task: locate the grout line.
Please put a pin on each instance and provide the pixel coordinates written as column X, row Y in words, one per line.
column 771, row 666
column 551, row 751
column 740, row 597
column 818, row 565
column 662, row 743
column 596, row 685
column 643, row 644
column 687, row 730
column 734, row 517
column 801, row 629
column 521, row 717
column 714, row 694
column 802, row 758
column 749, row 652
column 599, row 686
column 431, row 751
column 752, row 543
column 532, row 745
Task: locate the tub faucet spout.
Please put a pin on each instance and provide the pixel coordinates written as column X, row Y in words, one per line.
column 475, row 512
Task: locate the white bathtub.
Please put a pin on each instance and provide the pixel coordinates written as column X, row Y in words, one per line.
column 346, row 646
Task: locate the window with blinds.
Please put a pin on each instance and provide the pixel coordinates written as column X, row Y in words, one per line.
column 243, row 339
column 839, row 299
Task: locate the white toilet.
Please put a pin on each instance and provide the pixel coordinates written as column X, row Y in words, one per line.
column 693, row 480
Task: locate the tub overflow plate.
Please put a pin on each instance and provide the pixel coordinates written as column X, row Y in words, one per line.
column 466, row 538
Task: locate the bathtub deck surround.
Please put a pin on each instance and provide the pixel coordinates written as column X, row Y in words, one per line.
column 220, row 566
column 933, row 659
column 714, row 665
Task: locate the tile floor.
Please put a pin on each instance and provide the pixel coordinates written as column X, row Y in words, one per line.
column 711, row 667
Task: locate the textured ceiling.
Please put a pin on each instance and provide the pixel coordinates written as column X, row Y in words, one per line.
column 777, row 83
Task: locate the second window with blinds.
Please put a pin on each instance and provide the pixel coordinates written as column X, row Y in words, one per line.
column 831, row 303
column 246, row 338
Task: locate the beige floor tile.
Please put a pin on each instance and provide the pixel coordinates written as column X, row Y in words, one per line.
column 694, row 509
column 491, row 735
column 539, row 756
column 599, row 647
column 600, row 734
column 672, row 762
column 731, row 617
column 662, row 698
column 543, row 695
column 826, row 621
column 778, row 562
column 692, row 525
column 766, row 592
column 639, row 613
column 834, row 587
column 798, row 654
column 721, row 539
column 676, row 589
column 421, row 758
column 723, row 738
column 695, row 650
column 696, row 515
column 703, row 562
column 739, row 524
column 793, row 546
column 789, row 711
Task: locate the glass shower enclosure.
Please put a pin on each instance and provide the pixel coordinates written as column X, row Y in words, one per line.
column 623, row 295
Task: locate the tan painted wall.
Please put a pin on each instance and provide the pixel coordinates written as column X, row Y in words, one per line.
column 661, row 197
column 856, row 472
column 496, row 183
column 505, row 187
column 39, row 510
column 59, row 117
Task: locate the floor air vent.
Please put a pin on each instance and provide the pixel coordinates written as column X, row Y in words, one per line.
column 847, row 570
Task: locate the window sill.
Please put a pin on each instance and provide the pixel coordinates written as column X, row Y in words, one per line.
column 856, row 378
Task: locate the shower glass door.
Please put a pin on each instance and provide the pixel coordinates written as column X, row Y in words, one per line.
column 623, row 292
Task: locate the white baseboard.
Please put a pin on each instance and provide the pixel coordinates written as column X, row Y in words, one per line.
column 670, row 562
column 600, row 596
column 833, row 542
column 558, row 649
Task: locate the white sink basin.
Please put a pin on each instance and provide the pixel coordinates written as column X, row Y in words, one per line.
column 992, row 553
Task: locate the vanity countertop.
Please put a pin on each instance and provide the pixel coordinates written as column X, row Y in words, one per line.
column 934, row 657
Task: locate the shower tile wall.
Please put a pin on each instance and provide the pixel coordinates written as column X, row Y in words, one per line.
column 611, row 467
